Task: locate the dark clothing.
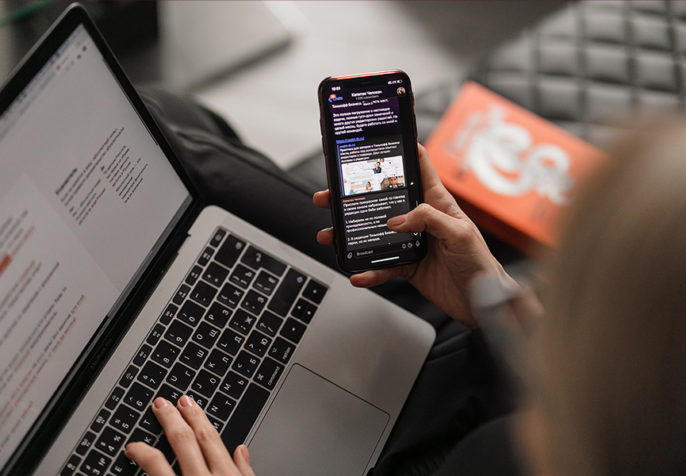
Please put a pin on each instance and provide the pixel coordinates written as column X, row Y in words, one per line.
column 377, row 170
column 443, row 427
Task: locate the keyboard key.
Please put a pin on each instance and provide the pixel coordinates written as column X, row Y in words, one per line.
column 180, row 376
column 203, row 293
column 230, row 295
column 165, row 353
column 168, row 314
column 198, row 398
column 314, row 291
column 221, row 406
column 206, row 335
column 303, row 310
column 258, row 343
column 242, row 276
column 218, row 362
column 155, row 334
column 205, row 383
column 282, row 350
column 138, row 396
column 230, row 251
column 292, row 330
column 230, row 341
column 257, row 259
column 287, row 292
column 242, row 321
column 215, row 274
column 71, row 466
column 265, row 283
column 268, row 373
column 193, row 275
column 233, row 385
column 114, row 398
column 95, row 463
column 181, row 294
column 269, row 323
column 166, row 449
column 152, row 374
column 110, row 441
column 142, row 435
column 149, row 422
column 244, row 417
column 169, row 393
column 128, row 376
column 86, row 442
column 193, row 355
column 217, row 237
column 100, row 420
column 218, row 425
column 178, row 333
column 190, row 313
column 123, row 466
column 254, row 302
column 206, row 256
column 218, row 315
column 142, row 355
column 245, row 364
column 124, row 419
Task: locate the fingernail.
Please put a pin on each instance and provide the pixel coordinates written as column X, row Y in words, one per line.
column 160, row 402
column 395, row 221
column 185, row 401
column 245, row 453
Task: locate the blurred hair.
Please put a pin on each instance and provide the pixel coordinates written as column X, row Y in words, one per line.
column 612, row 347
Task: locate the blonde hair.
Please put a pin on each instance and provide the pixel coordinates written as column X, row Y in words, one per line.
column 612, row 347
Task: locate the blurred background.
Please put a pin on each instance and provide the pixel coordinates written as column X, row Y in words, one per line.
column 258, row 64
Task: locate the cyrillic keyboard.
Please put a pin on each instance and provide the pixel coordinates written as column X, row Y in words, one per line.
column 224, row 339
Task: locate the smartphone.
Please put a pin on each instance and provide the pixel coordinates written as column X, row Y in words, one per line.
column 369, row 136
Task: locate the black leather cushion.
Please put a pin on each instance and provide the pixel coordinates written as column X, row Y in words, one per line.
column 593, row 62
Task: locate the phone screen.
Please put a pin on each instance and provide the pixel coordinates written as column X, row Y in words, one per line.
column 371, row 148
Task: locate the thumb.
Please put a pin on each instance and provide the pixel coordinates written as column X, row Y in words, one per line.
column 425, row 218
column 241, row 457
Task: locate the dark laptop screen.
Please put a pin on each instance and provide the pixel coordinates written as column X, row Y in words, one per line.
column 86, row 195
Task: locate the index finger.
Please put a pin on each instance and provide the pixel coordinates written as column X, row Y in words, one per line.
column 180, row 436
column 321, row 199
column 427, row 170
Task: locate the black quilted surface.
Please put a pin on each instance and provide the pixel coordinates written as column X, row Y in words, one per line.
column 594, row 61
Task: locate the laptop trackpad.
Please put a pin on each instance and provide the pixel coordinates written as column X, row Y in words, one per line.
column 314, row 427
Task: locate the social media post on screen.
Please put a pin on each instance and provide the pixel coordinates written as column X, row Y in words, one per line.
column 373, row 165
column 365, row 219
column 363, row 110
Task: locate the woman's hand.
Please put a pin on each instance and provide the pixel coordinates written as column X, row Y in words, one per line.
column 197, row 445
column 456, row 249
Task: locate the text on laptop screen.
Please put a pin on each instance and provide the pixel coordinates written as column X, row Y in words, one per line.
column 85, row 196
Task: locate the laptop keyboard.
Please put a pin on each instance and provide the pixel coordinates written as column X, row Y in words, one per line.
column 224, row 339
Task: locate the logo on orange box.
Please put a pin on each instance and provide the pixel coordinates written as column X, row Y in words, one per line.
column 513, row 169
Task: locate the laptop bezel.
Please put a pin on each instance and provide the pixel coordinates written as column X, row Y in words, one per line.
column 77, row 382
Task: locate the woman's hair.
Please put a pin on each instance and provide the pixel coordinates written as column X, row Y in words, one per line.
column 612, row 345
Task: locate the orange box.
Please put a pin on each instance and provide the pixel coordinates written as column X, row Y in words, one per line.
column 512, row 171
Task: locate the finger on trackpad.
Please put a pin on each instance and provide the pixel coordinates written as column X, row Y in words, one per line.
column 314, row 427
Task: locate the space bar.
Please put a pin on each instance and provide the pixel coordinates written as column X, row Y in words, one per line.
column 244, row 417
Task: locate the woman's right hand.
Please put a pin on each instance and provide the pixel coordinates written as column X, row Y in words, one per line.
column 456, row 249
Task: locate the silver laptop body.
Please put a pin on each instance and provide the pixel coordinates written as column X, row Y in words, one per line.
column 281, row 351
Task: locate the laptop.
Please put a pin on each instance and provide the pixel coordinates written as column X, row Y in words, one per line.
column 118, row 285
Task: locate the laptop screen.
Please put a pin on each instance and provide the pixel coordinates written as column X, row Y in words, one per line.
column 86, row 197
